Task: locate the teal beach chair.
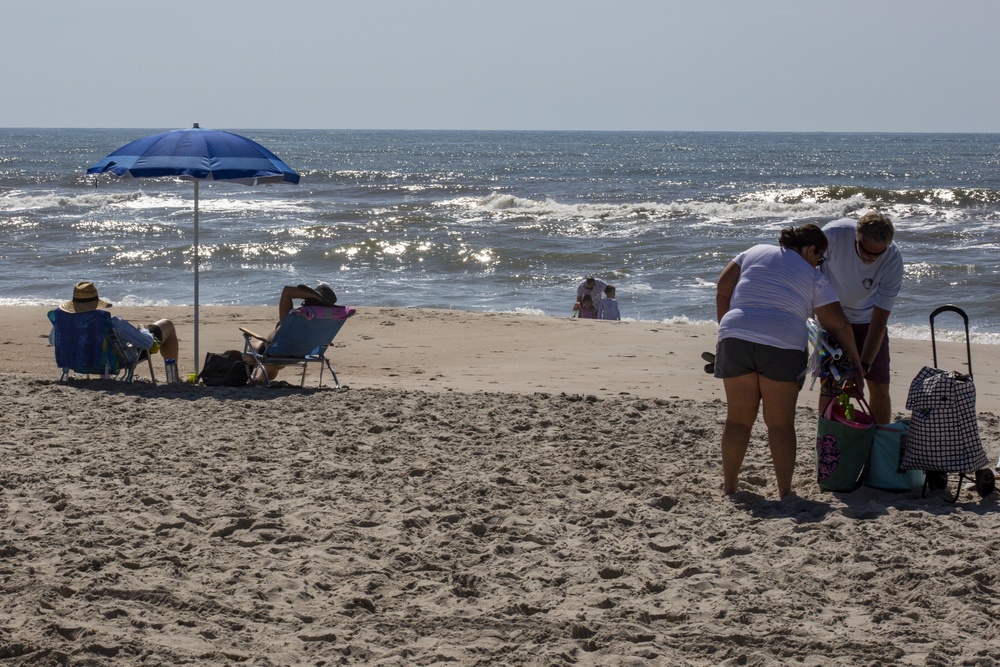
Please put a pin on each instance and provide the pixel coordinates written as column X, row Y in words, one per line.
column 303, row 338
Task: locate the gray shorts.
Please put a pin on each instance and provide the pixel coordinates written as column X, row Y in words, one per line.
column 735, row 357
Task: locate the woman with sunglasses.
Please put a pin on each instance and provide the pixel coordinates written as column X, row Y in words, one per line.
column 763, row 299
column 866, row 270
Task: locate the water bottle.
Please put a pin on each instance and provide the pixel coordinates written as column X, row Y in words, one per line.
column 170, row 366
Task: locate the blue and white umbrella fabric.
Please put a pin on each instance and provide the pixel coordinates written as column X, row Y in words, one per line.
column 197, row 154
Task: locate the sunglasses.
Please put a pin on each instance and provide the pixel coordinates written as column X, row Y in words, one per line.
column 819, row 262
column 862, row 249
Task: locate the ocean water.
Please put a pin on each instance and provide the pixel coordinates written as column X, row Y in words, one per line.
column 499, row 221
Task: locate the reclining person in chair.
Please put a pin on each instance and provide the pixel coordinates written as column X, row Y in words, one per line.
column 159, row 336
column 321, row 296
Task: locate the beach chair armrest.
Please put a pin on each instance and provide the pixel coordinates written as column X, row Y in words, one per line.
column 249, row 334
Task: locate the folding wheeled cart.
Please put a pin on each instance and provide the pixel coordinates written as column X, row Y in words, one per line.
column 944, row 433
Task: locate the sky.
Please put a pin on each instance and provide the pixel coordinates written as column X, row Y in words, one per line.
column 675, row 65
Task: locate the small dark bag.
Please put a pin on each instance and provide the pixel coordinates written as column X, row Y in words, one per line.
column 225, row 370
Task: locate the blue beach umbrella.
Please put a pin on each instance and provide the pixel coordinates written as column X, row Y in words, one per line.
column 199, row 155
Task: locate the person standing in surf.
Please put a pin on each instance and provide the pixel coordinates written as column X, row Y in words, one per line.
column 591, row 286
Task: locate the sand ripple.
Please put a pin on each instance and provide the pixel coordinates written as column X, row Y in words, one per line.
column 183, row 525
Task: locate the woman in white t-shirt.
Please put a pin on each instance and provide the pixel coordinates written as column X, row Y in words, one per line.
column 763, row 299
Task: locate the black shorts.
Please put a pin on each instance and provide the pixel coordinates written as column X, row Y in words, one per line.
column 879, row 372
column 155, row 330
column 735, row 357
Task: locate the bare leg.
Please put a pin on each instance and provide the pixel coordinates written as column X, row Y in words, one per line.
column 272, row 371
column 168, row 346
column 742, row 403
column 878, row 398
column 779, row 400
column 823, row 402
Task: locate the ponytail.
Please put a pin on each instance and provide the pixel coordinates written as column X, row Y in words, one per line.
column 797, row 238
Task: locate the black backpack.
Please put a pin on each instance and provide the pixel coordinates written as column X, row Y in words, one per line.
column 225, row 370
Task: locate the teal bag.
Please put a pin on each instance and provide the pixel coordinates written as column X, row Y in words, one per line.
column 843, row 446
column 884, row 466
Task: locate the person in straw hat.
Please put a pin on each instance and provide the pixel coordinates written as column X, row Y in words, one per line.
column 159, row 336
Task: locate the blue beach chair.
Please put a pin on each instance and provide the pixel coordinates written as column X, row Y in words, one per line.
column 85, row 343
column 302, row 338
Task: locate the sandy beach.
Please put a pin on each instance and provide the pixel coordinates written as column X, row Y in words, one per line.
column 485, row 489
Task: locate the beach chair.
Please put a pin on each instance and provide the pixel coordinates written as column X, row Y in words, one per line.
column 302, row 338
column 85, row 343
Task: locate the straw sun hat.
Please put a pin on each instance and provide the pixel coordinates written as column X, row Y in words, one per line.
column 85, row 298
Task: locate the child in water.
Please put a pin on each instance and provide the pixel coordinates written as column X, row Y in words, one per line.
column 607, row 308
column 586, row 309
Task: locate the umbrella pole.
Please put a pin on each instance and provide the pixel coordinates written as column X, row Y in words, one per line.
column 196, row 262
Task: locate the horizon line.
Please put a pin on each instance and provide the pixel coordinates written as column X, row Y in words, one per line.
column 484, row 130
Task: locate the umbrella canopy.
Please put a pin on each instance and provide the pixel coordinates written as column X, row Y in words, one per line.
column 197, row 154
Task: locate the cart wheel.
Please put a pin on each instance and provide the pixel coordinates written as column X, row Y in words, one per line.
column 937, row 480
column 986, row 482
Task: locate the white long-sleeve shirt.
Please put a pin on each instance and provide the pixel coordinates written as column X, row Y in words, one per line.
column 607, row 309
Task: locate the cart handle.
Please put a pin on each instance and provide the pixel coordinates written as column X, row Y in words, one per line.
column 965, row 318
